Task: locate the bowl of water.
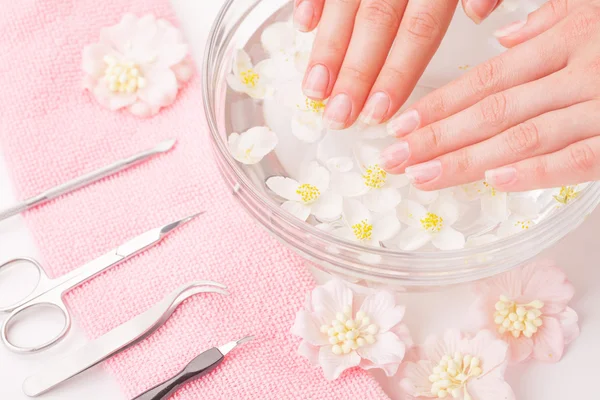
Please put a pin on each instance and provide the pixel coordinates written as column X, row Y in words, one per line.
column 240, row 25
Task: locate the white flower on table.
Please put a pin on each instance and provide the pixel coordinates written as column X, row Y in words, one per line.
column 341, row 329
column 255, row 81
column 251, row 146
column 360, row 225
column 138, row 64
column 433, row 224
column 494, row 204
column 309, row 195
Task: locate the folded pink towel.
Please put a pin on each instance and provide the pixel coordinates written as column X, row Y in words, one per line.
column 51, row 131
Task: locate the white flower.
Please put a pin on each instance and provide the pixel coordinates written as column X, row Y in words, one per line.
column 307, row 118
column 379, row 190
column 359, row 225
column 288, row 48
column 342, row 329
column 249, row 79
column 308, row 196
column 251, row 146
column 422, row 196
column 494, row 204
column 137, row 64
column 515, row 224
column 433, row 224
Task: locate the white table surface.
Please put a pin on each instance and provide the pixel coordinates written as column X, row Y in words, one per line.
column 428, row 313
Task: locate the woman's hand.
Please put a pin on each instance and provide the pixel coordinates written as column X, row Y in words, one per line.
column 351, row 62
column 527, row 119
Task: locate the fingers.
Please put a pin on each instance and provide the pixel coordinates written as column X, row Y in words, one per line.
column 536, row 137
column 307, row 14
column 537, row 22
column 376, row 26
column 534, row 60
column 483, row 120
column 330, row 47
column 578, row 163
column 423, row 26
column 478, row 10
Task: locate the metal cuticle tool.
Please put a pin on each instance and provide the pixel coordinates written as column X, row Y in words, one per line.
column 123, row 336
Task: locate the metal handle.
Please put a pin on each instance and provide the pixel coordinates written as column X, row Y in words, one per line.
column 42, row 282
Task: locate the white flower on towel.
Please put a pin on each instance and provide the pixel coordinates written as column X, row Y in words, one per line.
column 254, row 80
column 310, row 195
column 251, row 146
column 138, row 64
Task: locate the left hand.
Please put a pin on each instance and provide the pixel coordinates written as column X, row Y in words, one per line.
column 527, row 119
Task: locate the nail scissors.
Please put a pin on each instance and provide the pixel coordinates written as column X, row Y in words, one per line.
column 49, row 292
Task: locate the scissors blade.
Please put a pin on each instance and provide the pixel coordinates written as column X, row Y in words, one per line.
column 86, row 179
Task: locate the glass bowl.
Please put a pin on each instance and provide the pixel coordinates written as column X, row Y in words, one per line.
column 236, row 26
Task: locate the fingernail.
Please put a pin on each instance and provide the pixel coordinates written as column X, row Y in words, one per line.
column 376, row 108
column 478, row 10
column 422, row 173
column 404, row 124
column 303, row 16
column 394, row 155
column 316, row 82
column 337, row 112
column 501, row 176
column 510, row 29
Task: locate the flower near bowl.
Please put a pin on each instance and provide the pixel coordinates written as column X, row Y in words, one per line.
column 138, row 64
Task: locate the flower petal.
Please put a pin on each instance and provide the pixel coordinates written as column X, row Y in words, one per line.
column 307, row 126
column 110, row 100
column 388, row 369
column 396, row 181
column 298, row 210
column 491, row 350
column 447, row 208
column 354, row 212
column 423, row 197
column 260, row 140
column 416, row 378
column 548, row 341
column 381, row 200
column 328, row 207
column 412, row 239
column 411, row 213
column 313, row 173
column 448, row 239
column 336, row 144
column 329, row 299
column 366, row 154
column 235, row 84
column 93, row 59
column 307, row 327
column 495, row 206
column 340, row 164
column 309, row 352
column 349, row 184
column 278, row 38
column 387, row 349
column 161, row 88
column 381, row 308
column 519, row 349
column 241, row 62
column 436, row 348
column 333, row 365
column 490, row 387
column 345, row 233
column 284, row 187
column 568, row 320
column 119, row 35
column 513, row 225
column 385, row 226
column 546, row 282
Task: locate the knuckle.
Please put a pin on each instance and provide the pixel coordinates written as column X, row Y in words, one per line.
column 524, row 139
column 583, row 22
column 582, row 158
column 334, row 45
column 493, row 109
column 433, row 137
column 538, row 170
column 463, row 162
column 438, row 105
column 356, row 75
column 423, row 26
column 559, row 8
column 486, row 77
column 382, row 14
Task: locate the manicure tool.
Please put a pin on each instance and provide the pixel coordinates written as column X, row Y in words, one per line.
column 49, row 292
column 198, row 367
column 123, row 336
column 86, row 179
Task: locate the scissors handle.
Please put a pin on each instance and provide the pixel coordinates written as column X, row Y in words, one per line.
column 41, row 285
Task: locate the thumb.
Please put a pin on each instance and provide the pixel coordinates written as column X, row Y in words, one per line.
column 478, row 10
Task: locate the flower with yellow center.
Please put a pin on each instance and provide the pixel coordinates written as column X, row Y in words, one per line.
column 374, row 176
column 451, row 374
column 517, row 319
column 251, row 146
column 347, row 333
column 494, row 204
column 309, row 195
column 123, row 77
column 515, row 224
column 433, row 224
column 566, row 194
column 307, row 119
column 254, row 80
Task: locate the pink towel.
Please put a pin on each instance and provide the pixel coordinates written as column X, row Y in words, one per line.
column 51, row 131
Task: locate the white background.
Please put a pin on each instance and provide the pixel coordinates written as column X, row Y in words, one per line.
column 574, row 377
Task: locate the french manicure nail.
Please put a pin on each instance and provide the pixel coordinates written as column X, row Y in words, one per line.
column 375, row 109
column 500, row 176
column 337, row 112
column 395, row 155
column 316, row 82
column 423, row 173
column 510, row 29
column 303, row 16
column 404, row 124
column 478, row 10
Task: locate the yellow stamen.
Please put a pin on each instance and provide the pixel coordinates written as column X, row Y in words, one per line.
column 374, row 176
column 316, row 106
column 308, row 193
column 491, row 189
column 525, row 224
column 122, row 77
column 432, row 222
column 567, row 193
column 249, row 78
column 363, row 230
